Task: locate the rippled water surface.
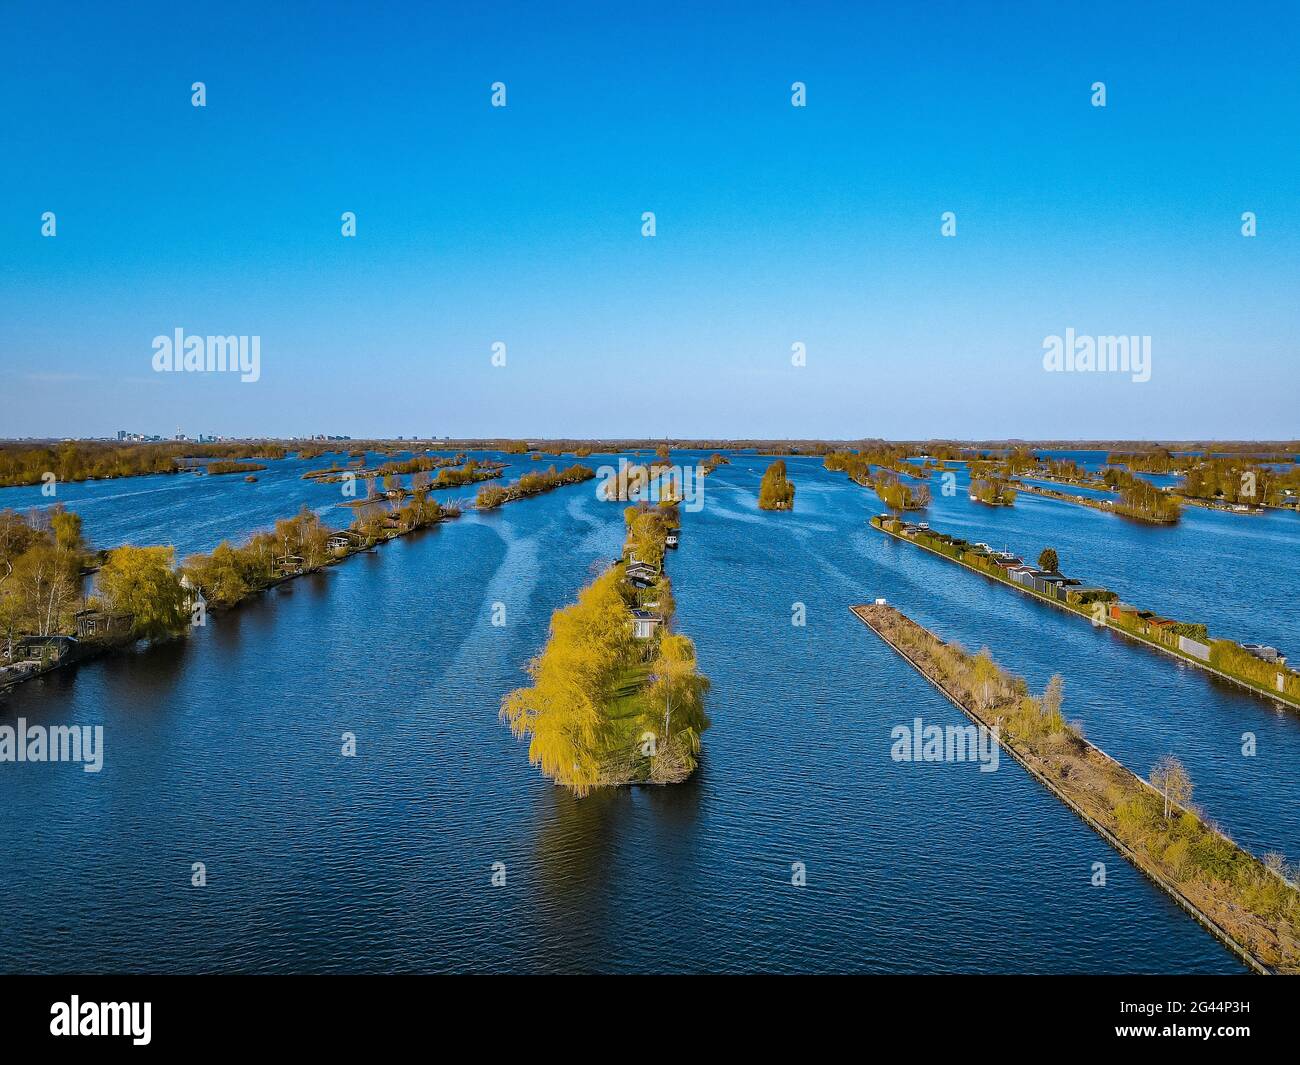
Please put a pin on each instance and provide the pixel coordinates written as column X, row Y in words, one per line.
column 225, row 749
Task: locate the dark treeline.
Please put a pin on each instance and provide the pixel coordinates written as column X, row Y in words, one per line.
column 87, row 460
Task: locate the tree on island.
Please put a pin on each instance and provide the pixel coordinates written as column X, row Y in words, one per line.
column 1053, row 697
column 1047, row 559
column 142, row 582
column 776, row 491
column 1170, row 779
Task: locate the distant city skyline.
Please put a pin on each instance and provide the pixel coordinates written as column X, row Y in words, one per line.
column 798, row 283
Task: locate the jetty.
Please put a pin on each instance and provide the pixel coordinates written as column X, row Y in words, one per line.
column 1095, row 786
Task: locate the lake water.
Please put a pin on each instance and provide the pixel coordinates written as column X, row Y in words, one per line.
column 225, row 749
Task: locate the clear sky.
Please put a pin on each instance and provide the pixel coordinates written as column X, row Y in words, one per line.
column 774, row 224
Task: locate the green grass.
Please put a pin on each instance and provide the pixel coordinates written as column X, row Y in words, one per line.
column 627, row 711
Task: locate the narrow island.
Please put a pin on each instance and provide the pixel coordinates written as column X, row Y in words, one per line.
column 1139, row 500
column 491, row 496
column 1251, row 906
column 616, row 696
column 1257, row 667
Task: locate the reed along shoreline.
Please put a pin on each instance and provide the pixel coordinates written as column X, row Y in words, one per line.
column 1247, row 906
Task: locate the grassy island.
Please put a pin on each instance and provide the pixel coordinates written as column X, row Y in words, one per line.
column 530, row 484
column 419, row 464
column 616, row 697
column 776, row 490
column 1253, row 906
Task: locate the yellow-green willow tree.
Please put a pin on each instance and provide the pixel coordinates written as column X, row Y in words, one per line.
column 604, row 707
column 674, row 709
column 564, row 712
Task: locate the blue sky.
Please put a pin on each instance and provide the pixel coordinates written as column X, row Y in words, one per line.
column 775, row 224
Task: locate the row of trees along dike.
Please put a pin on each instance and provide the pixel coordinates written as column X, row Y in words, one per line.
column 88, row 460
column 609, row 703
column 1189, row 641
column 776, row 490
column 1255, row 902
column 491, row 496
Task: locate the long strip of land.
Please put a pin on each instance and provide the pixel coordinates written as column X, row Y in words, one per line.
column 616, row 698
column 1166, row 515
column 1248, row 905
column 1188, row 643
